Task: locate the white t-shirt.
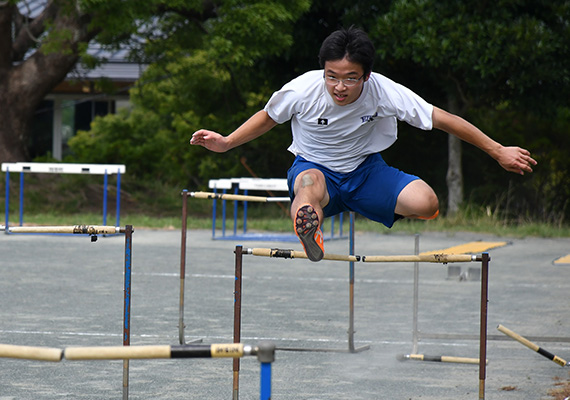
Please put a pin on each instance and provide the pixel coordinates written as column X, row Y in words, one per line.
column 340, row 137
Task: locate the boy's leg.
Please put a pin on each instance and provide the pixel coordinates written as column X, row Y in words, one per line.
column 417, row 200
column 310, row 188
column 384, row 194
column 307, row 211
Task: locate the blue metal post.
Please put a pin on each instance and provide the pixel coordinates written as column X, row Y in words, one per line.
column 224, row 215
column 245, row 192
column 235, row 211
column 118, row 209
column 265, row 355
column 214, row 211
column 105, row 199
column 21, row 198
column 265, row 381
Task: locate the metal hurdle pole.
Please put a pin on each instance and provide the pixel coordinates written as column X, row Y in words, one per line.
column 7, row 201
column 351, row 273
column 181, row 326
column 22, row 199
column 351, row 331
column 237, row 316
column 118, row 201
column 265, row 355
column 416, row 296
column 483, row 335
column 105, row 183
column 127, row 305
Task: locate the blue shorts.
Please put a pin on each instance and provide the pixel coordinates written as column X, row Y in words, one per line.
column 370, row 190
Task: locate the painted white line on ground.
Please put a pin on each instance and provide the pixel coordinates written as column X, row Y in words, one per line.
column 371, row 281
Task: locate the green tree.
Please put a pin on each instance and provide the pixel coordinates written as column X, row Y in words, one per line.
column 37, row 53
column 509, row 53
column 202, row 75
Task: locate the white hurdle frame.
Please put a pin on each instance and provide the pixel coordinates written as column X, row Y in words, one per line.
column 63, row 168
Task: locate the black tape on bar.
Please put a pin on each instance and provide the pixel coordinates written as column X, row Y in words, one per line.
column 190, row 352
column 282, row 253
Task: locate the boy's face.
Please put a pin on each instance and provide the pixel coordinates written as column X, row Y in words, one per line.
column 349, row 72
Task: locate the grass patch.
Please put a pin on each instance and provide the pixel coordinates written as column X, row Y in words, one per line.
column 256, row 223
column 76, row 199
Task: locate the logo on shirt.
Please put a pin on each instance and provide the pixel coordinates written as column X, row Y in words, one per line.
column 368, row 118
column 322, row 121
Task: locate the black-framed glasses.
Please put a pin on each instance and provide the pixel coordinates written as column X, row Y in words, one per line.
column 332, row 81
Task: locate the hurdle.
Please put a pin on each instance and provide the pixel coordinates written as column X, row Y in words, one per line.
column 448, row 258
column 63, row 168
column 239, row 252
column 265, row 352
column 238, row 197
column 92, row 231
column 431, row 258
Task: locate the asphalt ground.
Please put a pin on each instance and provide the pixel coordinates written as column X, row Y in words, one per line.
column 61, row 291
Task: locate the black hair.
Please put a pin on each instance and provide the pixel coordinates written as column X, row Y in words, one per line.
column 352, row 43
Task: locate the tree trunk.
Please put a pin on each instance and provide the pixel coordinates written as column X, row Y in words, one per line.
column 454, row 176
column 13, row 129
column 24, row 83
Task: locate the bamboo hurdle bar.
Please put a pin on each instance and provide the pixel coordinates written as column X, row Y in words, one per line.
column 31, row 352
column 238, row 197
column 231, row 350
column 288, row 253
column 432, row 258
column 513, row 335
column 443, row 359
column 265, row 352
column 73, row 229
column 38, row 353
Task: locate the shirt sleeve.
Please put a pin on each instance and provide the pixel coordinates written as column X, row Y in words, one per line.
column 413, row 109
column 406, row 105
column 282, row 105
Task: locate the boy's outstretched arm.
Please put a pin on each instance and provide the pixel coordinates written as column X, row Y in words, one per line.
column 513, row 158
column 253, row 128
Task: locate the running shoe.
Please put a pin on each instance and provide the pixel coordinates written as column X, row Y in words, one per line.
column 308, row 231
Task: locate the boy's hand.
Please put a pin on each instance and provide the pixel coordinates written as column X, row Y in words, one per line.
column 209, row 139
